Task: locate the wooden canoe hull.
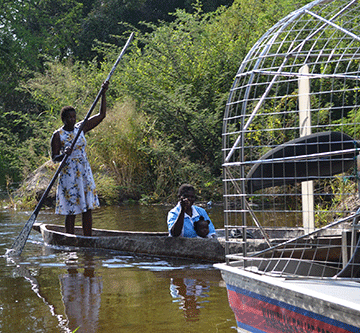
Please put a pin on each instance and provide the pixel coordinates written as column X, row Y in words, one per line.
column 151, row 243
column 160, row 244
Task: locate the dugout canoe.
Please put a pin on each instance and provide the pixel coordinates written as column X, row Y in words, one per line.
column 149, row 243
column 160, row 244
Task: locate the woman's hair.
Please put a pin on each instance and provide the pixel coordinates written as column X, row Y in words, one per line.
column 184, row 188
column 65, row 111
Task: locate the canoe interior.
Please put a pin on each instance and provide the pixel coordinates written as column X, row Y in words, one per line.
column 105, row 233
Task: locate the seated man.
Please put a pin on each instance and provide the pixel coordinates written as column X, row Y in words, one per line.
column 181, row 218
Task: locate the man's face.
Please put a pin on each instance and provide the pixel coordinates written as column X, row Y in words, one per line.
column 190, row 196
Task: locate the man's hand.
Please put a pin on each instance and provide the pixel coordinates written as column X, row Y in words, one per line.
column 184, row 203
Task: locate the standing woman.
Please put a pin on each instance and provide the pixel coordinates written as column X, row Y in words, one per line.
column 76, row 187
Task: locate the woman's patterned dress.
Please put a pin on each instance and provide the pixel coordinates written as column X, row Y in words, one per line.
column 76, row 188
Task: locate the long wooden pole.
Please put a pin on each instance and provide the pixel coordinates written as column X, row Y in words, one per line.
column 20, row 241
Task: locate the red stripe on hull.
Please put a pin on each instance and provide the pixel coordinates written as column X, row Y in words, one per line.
column 271, row 318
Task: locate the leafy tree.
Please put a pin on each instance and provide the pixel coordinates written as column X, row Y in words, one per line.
column 30, row 30
column 182, row 71
column 23, row 145
column 176, row 77
column 43, row 27
column 102, row 21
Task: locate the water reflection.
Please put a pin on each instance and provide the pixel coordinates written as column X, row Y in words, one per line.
column 189, row 293
column 191, row 289
column 52, row 289
column 22, row 270
column 81, row 295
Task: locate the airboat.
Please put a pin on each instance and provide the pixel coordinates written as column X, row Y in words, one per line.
column 291, row 159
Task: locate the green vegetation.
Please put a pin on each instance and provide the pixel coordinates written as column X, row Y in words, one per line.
column 165, row 101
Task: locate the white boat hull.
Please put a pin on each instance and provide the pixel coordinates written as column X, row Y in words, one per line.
column 274, row 304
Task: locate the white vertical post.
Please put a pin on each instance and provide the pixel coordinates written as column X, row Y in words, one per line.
column 307, row 187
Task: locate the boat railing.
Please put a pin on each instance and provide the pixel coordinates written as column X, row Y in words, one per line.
column 332, row 251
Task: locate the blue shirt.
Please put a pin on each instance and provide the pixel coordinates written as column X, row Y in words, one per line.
column 188, row 228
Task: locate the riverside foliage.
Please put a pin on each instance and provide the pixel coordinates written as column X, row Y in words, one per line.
column 165, row 102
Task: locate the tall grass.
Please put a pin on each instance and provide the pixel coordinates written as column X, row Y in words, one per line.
column 130, row 161
column 115, row 151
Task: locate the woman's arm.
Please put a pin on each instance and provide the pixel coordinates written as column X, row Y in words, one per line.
column 56, row 147
column 56, row 154
column 97, row 119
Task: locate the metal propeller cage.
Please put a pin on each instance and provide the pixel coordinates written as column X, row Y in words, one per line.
column 291, row 127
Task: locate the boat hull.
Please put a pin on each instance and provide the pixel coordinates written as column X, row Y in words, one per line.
column 151, row 243
column 270, row 304
column 160, row 244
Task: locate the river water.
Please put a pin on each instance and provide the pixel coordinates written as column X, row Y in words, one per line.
column 53, row 289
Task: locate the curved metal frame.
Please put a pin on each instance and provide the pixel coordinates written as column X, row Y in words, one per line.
column 262, row 112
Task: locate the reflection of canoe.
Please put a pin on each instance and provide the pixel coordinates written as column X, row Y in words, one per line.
column 159, row 244
column 280, row 168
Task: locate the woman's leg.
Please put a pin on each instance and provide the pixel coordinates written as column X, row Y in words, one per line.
column 87, row 222
column 70, row 224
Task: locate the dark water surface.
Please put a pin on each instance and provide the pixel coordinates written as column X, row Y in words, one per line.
column 57, row 290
